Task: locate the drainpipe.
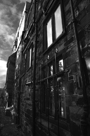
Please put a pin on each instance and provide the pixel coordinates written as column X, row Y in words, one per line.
column 34, row 68
column 83, row 70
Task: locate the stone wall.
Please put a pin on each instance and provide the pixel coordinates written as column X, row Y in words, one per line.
column 66, row 46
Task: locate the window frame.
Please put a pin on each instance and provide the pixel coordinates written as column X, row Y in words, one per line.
column 54, row 97
column 49, row 16
column 52, row 63
column 57, row 65
column 30, row 57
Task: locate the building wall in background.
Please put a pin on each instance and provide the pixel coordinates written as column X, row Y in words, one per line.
column 10, row 78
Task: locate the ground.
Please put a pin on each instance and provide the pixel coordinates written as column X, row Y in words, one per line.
column 7, row 125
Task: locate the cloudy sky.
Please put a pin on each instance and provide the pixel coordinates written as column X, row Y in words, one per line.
column 10, row 13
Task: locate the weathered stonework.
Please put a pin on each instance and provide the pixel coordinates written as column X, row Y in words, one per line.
column 53, row 121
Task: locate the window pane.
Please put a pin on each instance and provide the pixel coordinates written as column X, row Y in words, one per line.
column 61, row 97
column 58, row 22
column 51, row 70
column 44, row 72
column 43, row 96
column 30, row 58
column 60, row 64
column 51, row 99
column 87, row 62
column 49, row 33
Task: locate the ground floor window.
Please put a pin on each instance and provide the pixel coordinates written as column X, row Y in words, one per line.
column 51, row 98
column 61, row 97
column 53, row 95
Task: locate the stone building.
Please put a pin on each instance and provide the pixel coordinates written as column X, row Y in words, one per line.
column 18, row 47
column 52, row 68
column 10, row 77
column 2, row 97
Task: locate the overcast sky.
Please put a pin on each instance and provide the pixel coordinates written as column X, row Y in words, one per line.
column 10, row 13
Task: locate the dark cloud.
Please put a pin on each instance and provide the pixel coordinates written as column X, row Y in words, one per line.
column 9, row 2
column 3, row 70
column 25, row 1
column 16, row 18
column 5, row 54
column 10, row 13
column 20, row 6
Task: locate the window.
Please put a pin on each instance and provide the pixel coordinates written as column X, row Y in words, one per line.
column 44, row 72
column 51, row 98
column 49, row 33
column 53, row 89
column 43, row 96
column 61, row 97
column 30, row 57
column 86, row 63
column 60, row 65
column 58, row 22
column 24, row 62
column 53, row 26
column 39, row 4
column 87, row 60
column 51, row 69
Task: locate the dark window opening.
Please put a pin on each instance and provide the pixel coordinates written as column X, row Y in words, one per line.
column 51, row 98
column 61, row 97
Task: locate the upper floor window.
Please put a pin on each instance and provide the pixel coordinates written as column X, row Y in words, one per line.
column 49, row 33
column 58, row 22
column 53, row 26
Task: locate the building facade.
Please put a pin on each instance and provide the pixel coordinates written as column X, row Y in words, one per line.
column 52, row 69
column 18, row 47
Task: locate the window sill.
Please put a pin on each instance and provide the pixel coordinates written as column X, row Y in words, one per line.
column 51, row 77
column 55, row 42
